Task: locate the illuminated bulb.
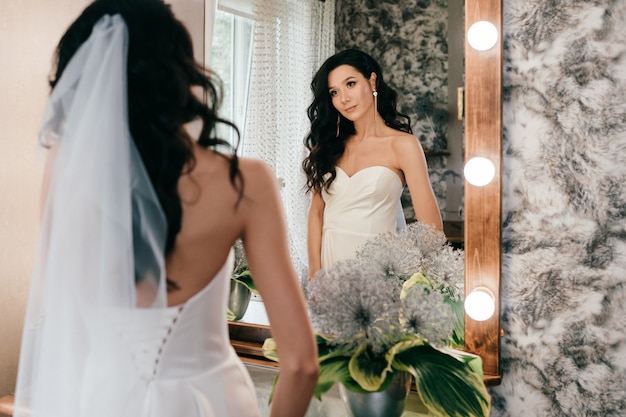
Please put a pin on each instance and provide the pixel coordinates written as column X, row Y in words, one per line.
column 480, row 304
column 479, row 171
column 482, row 35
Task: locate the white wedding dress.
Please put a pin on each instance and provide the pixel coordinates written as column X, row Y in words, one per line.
column 176, row 361
column 357, row 208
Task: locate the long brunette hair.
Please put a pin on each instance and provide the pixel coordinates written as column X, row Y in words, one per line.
column 161, row 74
column 324, row 145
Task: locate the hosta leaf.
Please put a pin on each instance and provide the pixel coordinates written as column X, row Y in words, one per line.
column 417, row 278
column 459, row 326
column 269, row 349
column 333, row 370
column 333, row 365
column 474, row 361
column 369, row 372
column 446, row 385
column 230, row 316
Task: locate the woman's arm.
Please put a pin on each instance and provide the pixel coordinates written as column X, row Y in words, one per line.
column 267, row 253
column 314, row 233
column 412, row 162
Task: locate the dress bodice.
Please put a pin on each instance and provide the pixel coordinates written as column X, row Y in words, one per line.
column 357, row 208
column 173, row 361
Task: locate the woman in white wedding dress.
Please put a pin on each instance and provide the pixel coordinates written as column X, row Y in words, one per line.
column 127, row 308
column 361, row 155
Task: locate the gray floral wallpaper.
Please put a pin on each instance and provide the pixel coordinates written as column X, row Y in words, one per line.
column 409, row 40
column 564, row 210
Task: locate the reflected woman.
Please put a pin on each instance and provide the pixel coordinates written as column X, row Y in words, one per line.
column 361, row 155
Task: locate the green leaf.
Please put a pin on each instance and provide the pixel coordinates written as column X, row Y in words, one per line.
column 416, row 278
column 474, row 361
column 400, row 347
column 230, row 316
column 269, row 349
column 333, row 370
column 446, row 385
column 368, row 371
column 245, row 279
column 458, row 337
column 333, row 365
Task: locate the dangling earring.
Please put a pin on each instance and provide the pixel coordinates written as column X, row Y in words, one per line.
column 375, row 94
column 338, row 120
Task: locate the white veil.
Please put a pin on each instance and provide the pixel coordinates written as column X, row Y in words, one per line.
column 103, row 231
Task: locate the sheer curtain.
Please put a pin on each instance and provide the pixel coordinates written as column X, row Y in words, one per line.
column 210, row 6
column 292, row 38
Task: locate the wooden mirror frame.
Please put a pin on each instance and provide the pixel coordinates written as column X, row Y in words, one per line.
column 483, row 137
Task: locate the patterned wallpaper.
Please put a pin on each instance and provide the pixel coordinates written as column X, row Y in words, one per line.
column 564, row 190
column 564, row 210
column 408, row 38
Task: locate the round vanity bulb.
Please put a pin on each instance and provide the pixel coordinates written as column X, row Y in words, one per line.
column 479, row 171
column 480, row 304
column 482, row 35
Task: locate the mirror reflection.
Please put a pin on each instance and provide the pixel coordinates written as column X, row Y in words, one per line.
column 420, row 50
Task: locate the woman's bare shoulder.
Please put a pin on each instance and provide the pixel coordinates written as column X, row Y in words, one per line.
column 255, row 170
column 400, row 136
column 404, row 142
column 259, row 178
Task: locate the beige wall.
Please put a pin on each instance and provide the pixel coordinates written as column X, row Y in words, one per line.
column 29, row 31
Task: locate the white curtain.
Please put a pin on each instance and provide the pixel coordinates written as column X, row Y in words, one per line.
column 210, row 6
column 292, row 38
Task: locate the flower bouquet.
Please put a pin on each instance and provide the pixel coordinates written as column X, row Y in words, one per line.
column 397, row 307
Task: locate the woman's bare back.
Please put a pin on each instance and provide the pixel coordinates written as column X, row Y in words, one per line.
column 212, row 220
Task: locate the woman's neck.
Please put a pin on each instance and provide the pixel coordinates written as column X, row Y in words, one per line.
column 367, row 126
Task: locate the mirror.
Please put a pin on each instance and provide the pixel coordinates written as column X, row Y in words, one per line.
column 420, row 49
column 483, row 128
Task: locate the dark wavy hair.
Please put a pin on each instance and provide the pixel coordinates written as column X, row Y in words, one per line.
column 161, row 74
column 324, row 145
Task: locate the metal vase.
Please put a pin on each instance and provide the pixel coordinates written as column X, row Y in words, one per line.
column 238, row 299
column 387, row 403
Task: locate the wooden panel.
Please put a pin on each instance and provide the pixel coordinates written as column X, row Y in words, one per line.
column 483, row 130
column 247, row 340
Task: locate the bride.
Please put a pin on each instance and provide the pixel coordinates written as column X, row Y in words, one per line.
column 361, row 155
column 127, row 309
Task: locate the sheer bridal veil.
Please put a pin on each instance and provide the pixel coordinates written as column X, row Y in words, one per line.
column 102, row 236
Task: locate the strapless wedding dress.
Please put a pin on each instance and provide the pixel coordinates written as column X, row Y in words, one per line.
column 176, row 361
column 357, row 208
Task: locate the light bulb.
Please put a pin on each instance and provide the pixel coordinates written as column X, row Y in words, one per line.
column 479, row 171
column 480, row 304
column 482, row 35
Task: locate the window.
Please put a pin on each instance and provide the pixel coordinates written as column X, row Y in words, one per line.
column 231, row 53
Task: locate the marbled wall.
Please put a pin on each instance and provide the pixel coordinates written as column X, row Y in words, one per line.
column 408, row 38
column 564, row 209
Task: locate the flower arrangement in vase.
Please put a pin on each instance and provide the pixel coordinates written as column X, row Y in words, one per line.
column 397, row 307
